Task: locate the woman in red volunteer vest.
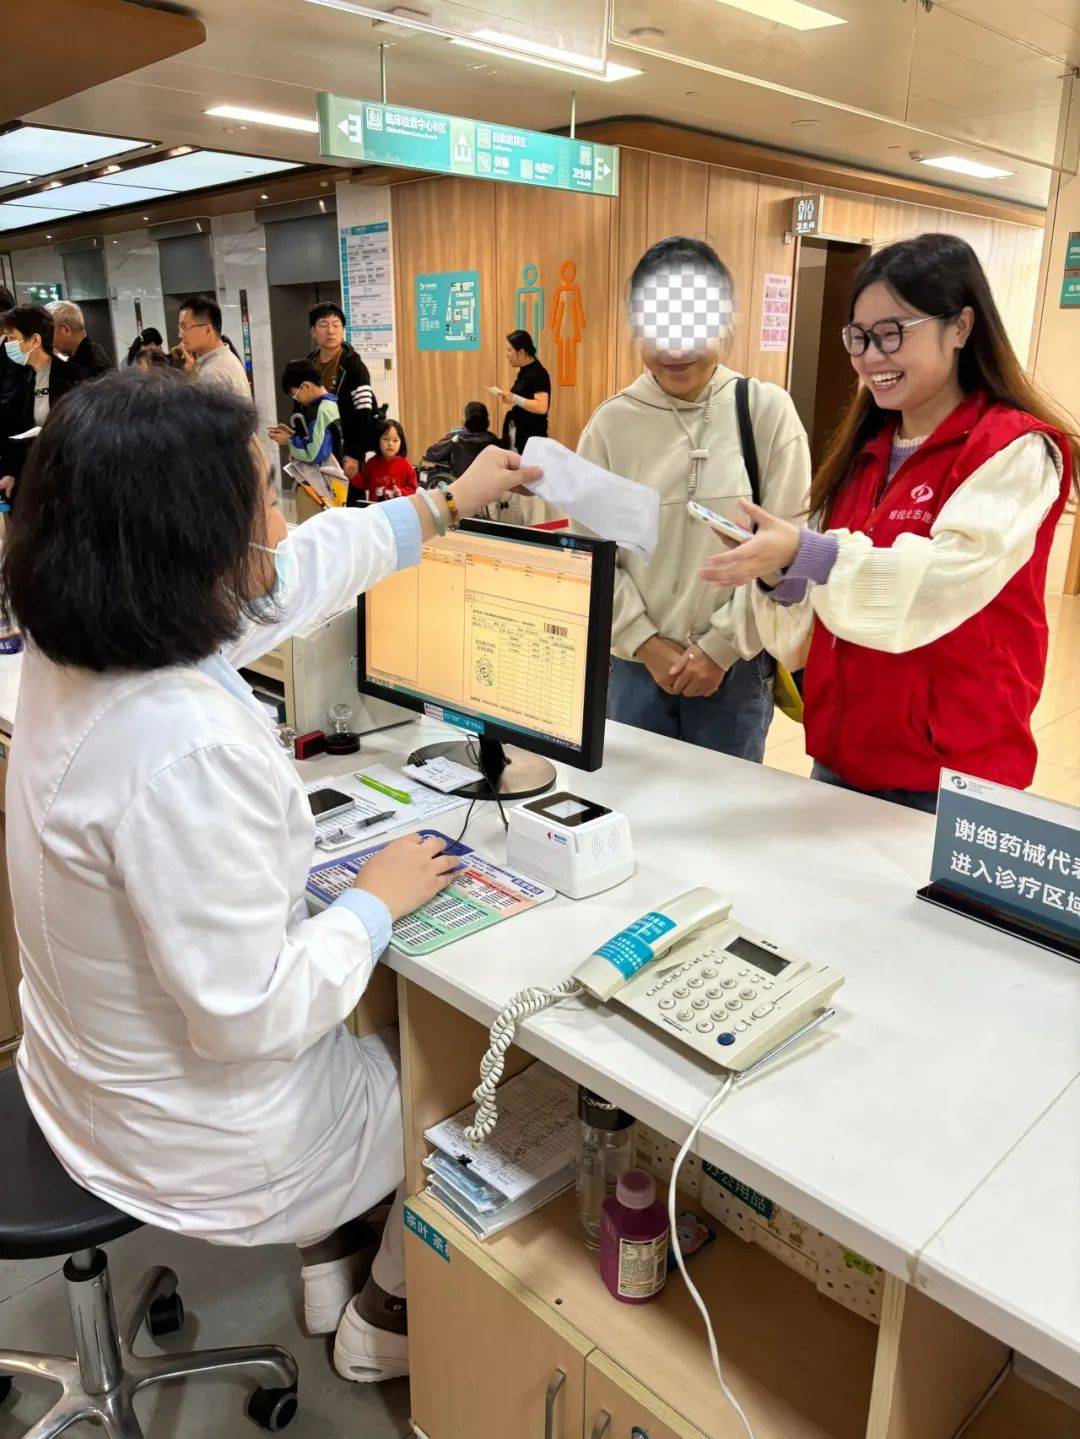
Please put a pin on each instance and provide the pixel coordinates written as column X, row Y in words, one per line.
column 916, row 597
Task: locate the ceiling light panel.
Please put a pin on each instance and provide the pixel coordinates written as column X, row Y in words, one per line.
column 958, row 165
column 248, row 116
column 14, row 217
column 33, row 150
column 84, row 195
column 793, row 13
column 198, row 170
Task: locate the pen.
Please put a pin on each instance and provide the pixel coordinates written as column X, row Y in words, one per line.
column 402, row 796
column 375, row 819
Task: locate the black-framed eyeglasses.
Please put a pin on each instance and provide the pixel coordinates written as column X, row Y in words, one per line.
column 887, row 335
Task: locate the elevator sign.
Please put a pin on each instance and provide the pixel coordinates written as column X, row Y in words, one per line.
column 374, row 134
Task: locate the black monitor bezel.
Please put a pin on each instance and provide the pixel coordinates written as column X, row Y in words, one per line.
column 589, row 755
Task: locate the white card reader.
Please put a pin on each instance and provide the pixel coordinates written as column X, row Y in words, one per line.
column 573, row 845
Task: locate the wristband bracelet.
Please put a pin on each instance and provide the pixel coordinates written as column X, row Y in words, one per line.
column 451, row 504
column 436, row 513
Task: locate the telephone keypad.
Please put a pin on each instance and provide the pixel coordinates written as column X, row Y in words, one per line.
column 681, row 992
column 729, row 983
column 748, row 993
column 704, row 1027
column 667, row 1003
column 685, row 1015
column 734, row 1004
column 696, row 982
column 700, row 1002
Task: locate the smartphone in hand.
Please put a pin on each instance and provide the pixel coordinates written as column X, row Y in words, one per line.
column 725, row 528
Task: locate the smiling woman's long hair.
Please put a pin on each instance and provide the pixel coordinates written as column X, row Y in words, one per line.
column 937, row 275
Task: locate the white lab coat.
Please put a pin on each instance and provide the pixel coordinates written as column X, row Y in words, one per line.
column 184, row 1052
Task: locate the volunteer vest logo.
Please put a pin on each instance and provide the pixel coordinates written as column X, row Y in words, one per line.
column 921, row 494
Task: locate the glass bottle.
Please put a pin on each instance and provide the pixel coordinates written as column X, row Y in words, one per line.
column 607, row 1151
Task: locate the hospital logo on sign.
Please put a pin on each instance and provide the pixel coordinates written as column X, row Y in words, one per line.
column 374, row 117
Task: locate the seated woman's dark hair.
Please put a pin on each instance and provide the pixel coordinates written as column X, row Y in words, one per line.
column 129, row 547
column 144, row 340
column 477, row 418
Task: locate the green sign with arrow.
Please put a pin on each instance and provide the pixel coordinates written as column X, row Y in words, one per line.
column 374, row 134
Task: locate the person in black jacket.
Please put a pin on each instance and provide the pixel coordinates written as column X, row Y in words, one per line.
column 457, row 450
column 345, row 375
column 71, row 340
column 12, row 384
column 48, row 378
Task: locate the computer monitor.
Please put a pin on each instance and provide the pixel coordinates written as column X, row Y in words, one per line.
column 503, row 632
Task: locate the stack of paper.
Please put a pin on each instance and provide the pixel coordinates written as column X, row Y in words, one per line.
column 529, row 1159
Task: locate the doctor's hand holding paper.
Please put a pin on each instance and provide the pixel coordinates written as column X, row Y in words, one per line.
column 185, row 1053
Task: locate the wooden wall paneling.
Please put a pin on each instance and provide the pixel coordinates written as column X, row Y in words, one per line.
column 732, row 228
column 444, row 224
column 546, row 228
column 678, row 198
column 978, row 232
column 1001, row 272
column 771, row 257
column 628, row 243
column 893, row 221
column 847, row 215
column 1025, row 290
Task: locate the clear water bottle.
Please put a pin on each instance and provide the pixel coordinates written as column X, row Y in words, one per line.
column 608, row 1138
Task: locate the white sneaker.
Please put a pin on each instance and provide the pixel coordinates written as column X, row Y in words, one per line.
column 329, row 1287
column 366, row 1354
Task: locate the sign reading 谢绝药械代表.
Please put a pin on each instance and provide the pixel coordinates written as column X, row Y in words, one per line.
column 1009, row 858
column 375, row 134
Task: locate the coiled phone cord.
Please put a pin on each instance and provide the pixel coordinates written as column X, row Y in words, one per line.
column 526, row 1003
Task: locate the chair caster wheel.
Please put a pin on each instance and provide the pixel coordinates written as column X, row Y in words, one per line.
column 5, row 1386
column 165, row 1316
column 273, row 1409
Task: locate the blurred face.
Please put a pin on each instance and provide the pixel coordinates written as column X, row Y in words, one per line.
column 29, row 345
column 682, row 314
column 64, row 339
column 328, row 333
column 517, row 358
column 307, row 393
column 922, row 352
column 390, row 444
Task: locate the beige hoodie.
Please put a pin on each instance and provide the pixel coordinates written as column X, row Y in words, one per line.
column 649, row 436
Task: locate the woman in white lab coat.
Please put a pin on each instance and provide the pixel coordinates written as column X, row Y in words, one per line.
column 184, row 1050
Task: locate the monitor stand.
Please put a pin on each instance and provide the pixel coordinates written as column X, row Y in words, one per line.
column 507, row 772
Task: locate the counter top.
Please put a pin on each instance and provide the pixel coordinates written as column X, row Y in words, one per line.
column 951, row 1047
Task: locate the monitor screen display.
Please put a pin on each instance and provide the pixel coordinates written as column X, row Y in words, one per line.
column 493, row 625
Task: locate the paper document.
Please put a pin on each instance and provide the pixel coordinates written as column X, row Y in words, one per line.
column 445, row 775
column 339, row 831
column 612, row 507
column 538, row 1133
column 493, row 389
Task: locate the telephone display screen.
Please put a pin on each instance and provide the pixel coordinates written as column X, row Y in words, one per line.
column 754, row 954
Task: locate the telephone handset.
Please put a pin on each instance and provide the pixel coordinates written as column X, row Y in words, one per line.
column 726, row 991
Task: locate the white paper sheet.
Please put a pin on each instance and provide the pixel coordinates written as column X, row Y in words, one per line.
column 611, row 506
column 342, row 831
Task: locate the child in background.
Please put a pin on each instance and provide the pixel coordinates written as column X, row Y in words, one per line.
column 387, row 474
column 318, row 437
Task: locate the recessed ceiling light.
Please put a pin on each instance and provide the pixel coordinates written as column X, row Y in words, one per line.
column 264, row 197
column 959, row 166
column 48, row 237
column 793, row 13
column 548, row 57
column 111, row 170
column 265, row 117
column 803, row 124
column 145, row 218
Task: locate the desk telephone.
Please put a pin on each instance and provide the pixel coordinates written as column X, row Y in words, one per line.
column 722, row 989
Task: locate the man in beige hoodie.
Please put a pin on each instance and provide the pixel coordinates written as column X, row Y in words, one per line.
column 687, row 659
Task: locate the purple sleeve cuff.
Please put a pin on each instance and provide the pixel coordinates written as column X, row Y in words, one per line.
column 812, row 565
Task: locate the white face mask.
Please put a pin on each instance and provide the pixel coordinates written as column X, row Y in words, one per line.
column 286, row 568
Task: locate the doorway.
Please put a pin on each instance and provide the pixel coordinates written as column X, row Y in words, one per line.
column 290, row 333
column 822, row 380
column 302, row 270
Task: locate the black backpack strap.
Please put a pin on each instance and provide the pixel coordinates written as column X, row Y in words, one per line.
column 746, row 436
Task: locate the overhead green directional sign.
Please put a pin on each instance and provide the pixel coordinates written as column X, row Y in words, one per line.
column 362, row 130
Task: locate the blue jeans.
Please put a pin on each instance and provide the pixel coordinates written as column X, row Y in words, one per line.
column 924, row 799
column 735, row 720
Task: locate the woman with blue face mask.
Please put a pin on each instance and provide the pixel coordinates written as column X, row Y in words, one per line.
column 185, row 1053
column 48, row 378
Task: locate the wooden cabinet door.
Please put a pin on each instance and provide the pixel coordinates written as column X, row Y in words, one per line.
column 617, row 1406
column 483, row 1351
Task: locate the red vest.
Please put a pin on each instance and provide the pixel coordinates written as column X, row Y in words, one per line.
column 885, row 721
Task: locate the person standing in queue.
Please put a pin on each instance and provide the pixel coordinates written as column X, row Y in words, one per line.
column 917, row 595
column 346, row 376
column 71, row 340
column 185, row 1052
column 214, row 361
column 686, row 662
column 529, row 397
column 49, row 377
